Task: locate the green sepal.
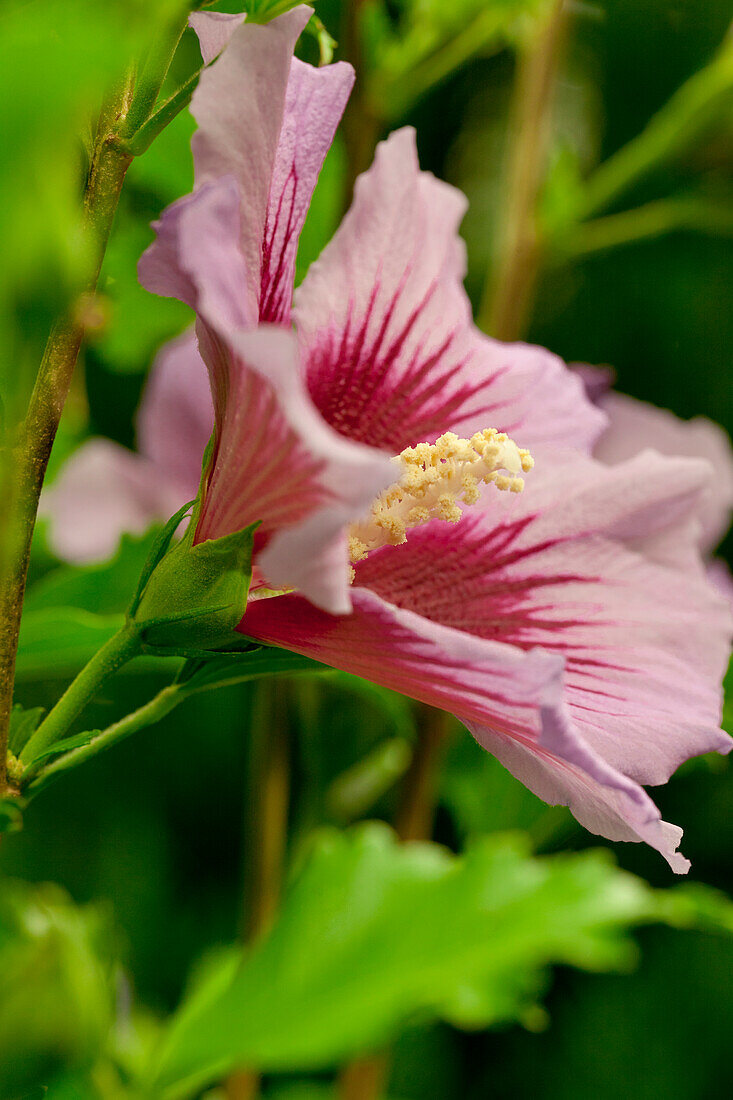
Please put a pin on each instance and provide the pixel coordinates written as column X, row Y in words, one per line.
column 157, row 552
column 197, row 594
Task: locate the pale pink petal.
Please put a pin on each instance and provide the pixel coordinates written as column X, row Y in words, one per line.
column 549, row 568
column 550, row 573
column 214, row 29
column 176, row 415
column 484, row 682
column 278, row 462
column 196, row 256
column 102, row 492
column 599, row 808
column 314, row 104
column 635, row 425
column 393, row 646
column 392, row 355
column 275, row 459
column 267, row 121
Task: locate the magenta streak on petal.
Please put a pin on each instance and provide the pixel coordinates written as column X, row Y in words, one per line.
column 360, row 394
column 391, row 354
column 276, row 283
column 408, row 653
column 262, row 470
column 314, row 102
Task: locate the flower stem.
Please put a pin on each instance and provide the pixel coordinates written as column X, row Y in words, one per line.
column 509, row 292
column 414, row 818
column 267, row 828
column 154, row 71
column 29, row 455
column 365, row 1078
column 151, row 712
column 697, row 103
column 269, row 804
column 121, row 648
column 362, row 123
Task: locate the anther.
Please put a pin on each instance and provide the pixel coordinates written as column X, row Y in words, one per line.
column 436, row 479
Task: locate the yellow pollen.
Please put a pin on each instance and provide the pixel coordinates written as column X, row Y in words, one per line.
column 435, row 480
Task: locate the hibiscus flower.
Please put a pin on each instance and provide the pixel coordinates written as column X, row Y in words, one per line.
column 367, row 429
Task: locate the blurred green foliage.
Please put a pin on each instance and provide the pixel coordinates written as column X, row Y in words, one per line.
column 154, row 830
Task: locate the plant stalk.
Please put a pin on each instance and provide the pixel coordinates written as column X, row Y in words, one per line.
column 269, row 784
column 121, row 648
column 29, row 457
column 153, row 711
column 361, row 125
column 509, row 291
column 365, row 1078
column 707, row 95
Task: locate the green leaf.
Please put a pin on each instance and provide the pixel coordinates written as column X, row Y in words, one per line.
column 263, row 11
column 395, row 932
column 197, row 594
column 66, row 744
column 156, row 553
column 207, row 672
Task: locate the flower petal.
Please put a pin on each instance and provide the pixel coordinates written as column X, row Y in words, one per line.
column 600, row 808
column 519, row 693
column 214, row 30
column 392, row 355
column 196, row 256
column 101, row 492
column 267, row 120
column 634, row 425
column 278, row 462
column 550, row 569
column 474, row 677
column 176, row 415
column 276, row 459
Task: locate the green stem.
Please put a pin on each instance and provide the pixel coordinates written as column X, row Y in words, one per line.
column 29, row 455
column 144, row 136
column 362, row 124
column 689, row 111
column 508, row 294
column 642, row 223
column 153, row 72
column 267, row 834
column 365, row 1078
column 112, row 656
column 153, row 711
column 398, row 94
column 269, row 804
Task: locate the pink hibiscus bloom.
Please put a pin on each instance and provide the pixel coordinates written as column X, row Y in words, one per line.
column 541, row 619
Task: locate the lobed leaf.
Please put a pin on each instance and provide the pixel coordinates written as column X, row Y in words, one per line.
column 373, row 934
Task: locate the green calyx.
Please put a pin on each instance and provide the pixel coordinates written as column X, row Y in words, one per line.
column 195, row 594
